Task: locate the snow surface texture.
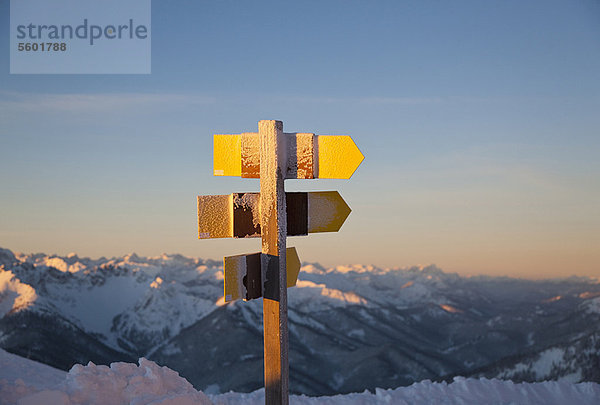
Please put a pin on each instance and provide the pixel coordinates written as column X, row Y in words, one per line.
column 121, row 383
column 25, row 382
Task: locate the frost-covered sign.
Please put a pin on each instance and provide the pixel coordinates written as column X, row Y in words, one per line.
column 237, row 215
column 273, row 156
column 309, row 156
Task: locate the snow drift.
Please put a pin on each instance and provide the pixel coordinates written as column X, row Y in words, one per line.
column 25, row 382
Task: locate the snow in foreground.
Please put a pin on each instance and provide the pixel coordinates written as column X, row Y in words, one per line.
column 26, row 382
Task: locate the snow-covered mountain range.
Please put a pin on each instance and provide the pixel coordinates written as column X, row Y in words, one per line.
column 351, row 327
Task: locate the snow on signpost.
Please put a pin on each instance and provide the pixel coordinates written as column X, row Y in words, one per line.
column 273, row 214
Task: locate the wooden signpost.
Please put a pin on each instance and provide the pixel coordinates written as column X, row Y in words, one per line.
column 237, row 215
column 273, row 156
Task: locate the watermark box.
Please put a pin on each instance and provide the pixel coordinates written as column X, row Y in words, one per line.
column 80, row 36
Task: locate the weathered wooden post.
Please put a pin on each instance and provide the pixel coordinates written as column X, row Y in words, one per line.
column 273, row 163
column 274, row 215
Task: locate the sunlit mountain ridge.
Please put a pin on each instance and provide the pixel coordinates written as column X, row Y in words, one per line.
column 351, row 327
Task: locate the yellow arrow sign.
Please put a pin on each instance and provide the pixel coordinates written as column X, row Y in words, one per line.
column 327, row 211
column 338, row 157
column 309, row 156
column 227, row 155
column 242, row 275
column 237, row 215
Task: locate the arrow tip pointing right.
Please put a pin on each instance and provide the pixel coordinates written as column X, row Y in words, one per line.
column 338, row 156
column 327, row 211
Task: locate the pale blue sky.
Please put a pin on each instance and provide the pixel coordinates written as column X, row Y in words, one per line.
column 479, row 121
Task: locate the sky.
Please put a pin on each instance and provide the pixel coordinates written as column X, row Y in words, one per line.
column 479, row 123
